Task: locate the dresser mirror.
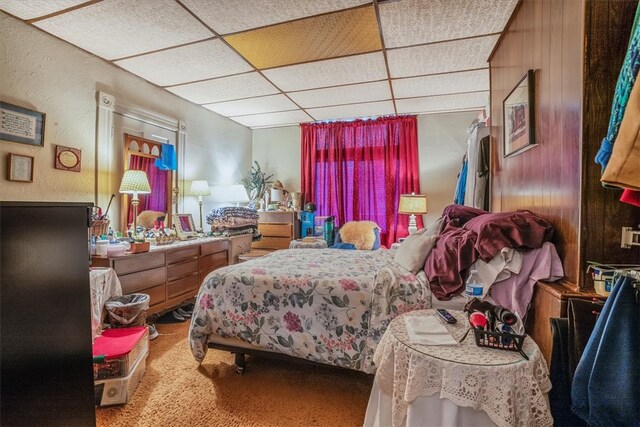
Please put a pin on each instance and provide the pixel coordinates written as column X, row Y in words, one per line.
column 147, row 155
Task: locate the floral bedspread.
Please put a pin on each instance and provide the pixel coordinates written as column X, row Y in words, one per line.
column 329, row 306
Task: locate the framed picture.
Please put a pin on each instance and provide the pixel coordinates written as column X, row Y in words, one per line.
column 185, row 227
column 518, row 113
column 21, row 125
column 68, row 158
column 20, row 168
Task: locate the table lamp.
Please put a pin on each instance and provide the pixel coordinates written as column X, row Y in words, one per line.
column 277, row 196
column 200, row 188
column 413, row 204
column 237, row 193
column 135, row 182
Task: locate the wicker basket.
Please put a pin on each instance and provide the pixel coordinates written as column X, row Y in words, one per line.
column 139, row 247
column 99, row 227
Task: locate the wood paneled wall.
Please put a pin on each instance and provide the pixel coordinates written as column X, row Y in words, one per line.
column 558, row 178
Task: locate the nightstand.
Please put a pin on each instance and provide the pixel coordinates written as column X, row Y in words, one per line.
column 255, row 253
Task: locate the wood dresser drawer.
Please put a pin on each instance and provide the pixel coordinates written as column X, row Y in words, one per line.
column 157, row 294
column 276, row 230
column 213, row 261
column 176, row 271
column 272, row 243
column 138, row 262
column 183, row 285
column 282, row 217
column 137, row 282
column 182, row 254
column 213, row 247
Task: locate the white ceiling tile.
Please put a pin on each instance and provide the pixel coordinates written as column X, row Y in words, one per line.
column 410, row 22
column 225, row 88
column 36, row 8
column 462, row 101
column 264, row 104
column 363, row 92
column 273, row 119
column 258, row 13
column 442, row 57
column 352, row 111
column 440, row 84
column 115, row 29
column 332, row 72
column 208, row 59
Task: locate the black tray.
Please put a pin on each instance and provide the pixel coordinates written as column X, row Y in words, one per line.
column 498, row 340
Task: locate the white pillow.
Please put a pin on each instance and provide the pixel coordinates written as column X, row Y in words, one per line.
column 414, row 251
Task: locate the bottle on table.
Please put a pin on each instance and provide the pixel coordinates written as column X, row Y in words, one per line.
column 474, row 287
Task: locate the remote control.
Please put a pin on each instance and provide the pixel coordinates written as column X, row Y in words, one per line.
column 446, row 316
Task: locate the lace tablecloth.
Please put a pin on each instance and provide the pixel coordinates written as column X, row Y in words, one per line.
column 104, row 285
column 508, row 388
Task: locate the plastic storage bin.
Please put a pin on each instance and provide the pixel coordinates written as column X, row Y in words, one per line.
column 118, row 391
column 121, row 348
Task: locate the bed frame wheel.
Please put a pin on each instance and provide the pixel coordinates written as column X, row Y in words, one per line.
column 240, row 363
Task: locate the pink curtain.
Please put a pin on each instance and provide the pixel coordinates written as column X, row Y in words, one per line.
column 157, row 199
column 357, row 170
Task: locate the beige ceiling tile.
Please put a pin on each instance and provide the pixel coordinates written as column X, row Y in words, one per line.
column 442, row 57
column 332, row 72
column 225, row 89
column 273, row 119
column 331, row 35
column 362, row 92
column 30, row 9
column 189, row 63
column 115, row 29
column 410, row 22
column 440, row 84
column 352, row 111
column 243, row 107
column 247, row 14
column 463, row 101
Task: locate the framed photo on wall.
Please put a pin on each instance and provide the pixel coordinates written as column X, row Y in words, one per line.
column 67, row 158
column 20, row 168
column 18, row 124
column 518, row 115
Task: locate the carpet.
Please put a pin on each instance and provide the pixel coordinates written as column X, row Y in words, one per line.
column 175, row 391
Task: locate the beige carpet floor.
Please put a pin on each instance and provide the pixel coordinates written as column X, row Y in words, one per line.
column 175, row 391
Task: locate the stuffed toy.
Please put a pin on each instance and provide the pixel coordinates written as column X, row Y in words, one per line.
column 364, row 235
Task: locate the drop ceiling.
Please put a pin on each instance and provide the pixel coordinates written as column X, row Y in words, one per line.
column 269, row 63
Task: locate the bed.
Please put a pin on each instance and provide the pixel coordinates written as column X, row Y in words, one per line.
column 289, row 302
column 332, row 306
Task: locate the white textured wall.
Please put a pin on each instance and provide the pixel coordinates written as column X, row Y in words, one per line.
column 278, row 151
column 43, row 73
column 442, row 140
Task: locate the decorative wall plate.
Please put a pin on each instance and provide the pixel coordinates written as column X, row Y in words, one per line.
column 68, row 158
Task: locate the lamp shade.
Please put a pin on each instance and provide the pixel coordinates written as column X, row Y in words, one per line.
column 200, row 188
column 135, row 182
column 413, row 204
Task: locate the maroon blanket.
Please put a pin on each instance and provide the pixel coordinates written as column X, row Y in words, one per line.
column 483, row 235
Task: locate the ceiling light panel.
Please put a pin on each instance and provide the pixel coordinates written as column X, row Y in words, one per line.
column 199, row 61
column 273, row 119
column 440, row 84
column 225, row 89
column 247, row 14
column 411, row 22
column 36, row 8
column 264, row 104
column 462, row 101
column 332, row 72
column 352, row 111
column 458, row 55
column 363, row 92
column 330, row 35
column 115, row 29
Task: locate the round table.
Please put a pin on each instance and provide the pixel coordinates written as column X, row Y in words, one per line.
column 465, row 378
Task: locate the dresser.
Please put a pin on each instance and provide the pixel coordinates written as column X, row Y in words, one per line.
column 172, row 274
column 278, row 229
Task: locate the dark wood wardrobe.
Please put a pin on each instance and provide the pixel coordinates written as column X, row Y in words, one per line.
column 46, row 374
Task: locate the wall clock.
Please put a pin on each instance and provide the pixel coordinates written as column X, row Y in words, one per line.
column 68, row 158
